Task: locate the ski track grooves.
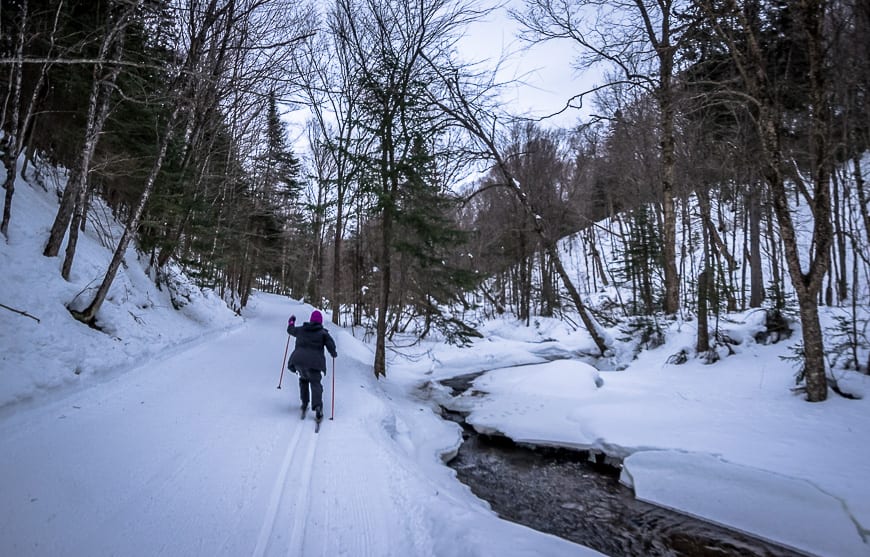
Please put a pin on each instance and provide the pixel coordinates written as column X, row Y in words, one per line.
column 268, row 534
column 356, row 509
column 299, row 511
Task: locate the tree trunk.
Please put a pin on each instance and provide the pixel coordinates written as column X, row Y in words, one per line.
column 63, row 216
column 710, row 228
column 77, row 224
column 814, row 351
column 669, row 230
column 858, row 174
column 524, row 280
column 807, row 286
column 98, row 109
column 665, row 95
column 752, row 63
column 380, row 364
column 98, row 112
column 548, row 295
column 840, row 236
column 704, row 287
column 314, row 275
column 16, row 144
column 703, row 344
column 336, row 258
column 390, row 189
column 13, row 135
column 596, row 257
column 775, row 270
column 756, row 274
column 813, row 15
column 588, row 322
column 89, row 314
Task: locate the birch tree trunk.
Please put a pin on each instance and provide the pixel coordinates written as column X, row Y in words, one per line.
column 98, row 109
column 89, row 314
column 180, row 92
column 98, row 112
column 13, row 137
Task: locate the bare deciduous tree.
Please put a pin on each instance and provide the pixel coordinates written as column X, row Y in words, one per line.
column 465, row 102
column 12, row 139
column 394, row 45
column 739, row 31
column 104, row 74
column 325, row 73
column 640, row 39
column 204, row 22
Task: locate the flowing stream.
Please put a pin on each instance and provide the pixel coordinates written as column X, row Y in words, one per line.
column 563, row 492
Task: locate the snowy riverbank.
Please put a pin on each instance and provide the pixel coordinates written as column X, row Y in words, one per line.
column 729, row 443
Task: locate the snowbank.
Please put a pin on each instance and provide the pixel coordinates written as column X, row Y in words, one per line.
column 727, row 442
column 57, row 353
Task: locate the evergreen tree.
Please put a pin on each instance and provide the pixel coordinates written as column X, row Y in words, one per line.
column 281, row 168
column 282, row 222
column 426, row 240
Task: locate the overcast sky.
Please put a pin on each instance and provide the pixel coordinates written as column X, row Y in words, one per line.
column 547, row 78
column 543, row 74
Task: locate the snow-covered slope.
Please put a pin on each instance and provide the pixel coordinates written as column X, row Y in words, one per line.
column 56, row 352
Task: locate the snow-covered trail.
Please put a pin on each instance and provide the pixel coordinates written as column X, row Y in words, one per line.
column 183, row 447
column 199, row 454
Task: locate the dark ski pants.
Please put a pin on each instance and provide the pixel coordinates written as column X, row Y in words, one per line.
column 310, row 379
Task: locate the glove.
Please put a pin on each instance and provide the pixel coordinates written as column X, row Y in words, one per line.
column 291, row 321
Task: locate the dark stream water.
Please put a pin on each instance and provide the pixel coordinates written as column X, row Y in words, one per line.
column 562, row 492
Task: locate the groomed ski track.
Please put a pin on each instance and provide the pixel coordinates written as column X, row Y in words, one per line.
column 200, row 454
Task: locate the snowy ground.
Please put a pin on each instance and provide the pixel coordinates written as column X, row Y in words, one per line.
column 200, row 454
column 728, row 442
column 166, row 435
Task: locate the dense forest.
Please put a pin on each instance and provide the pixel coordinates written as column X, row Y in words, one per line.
column 413, row 194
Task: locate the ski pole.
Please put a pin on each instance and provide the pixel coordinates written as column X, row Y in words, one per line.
column 283, row 361
column 332, row 417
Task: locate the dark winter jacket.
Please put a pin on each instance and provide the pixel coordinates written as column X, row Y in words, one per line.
column 311, row 339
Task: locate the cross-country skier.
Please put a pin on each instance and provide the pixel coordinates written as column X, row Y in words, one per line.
column 308, row 360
